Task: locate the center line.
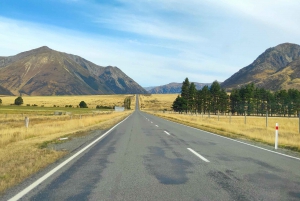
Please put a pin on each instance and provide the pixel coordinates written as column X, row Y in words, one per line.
column 167, row 133
column 204, row 159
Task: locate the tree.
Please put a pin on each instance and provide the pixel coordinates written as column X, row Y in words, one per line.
column 127, row 103
column 82, row 104
column 192, row 97
column 185, row 91
column 19, row 101
column 179, row 105
column 215, row 90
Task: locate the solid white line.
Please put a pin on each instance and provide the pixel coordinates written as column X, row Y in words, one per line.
column 167, row 133
column 293, row 157
column 43, row 178
column 201, row 157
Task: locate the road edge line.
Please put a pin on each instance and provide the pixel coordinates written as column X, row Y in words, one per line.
column 51, row 172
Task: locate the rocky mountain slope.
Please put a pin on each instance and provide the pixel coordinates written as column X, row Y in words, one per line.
column 44, row 71
column 4, row 91
column 173, row 88
column 276, row 68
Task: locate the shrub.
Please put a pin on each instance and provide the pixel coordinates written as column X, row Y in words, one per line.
column 70, row 105
column 0, row 101
column 19, row 101
column 27, row 104
column 82, row 104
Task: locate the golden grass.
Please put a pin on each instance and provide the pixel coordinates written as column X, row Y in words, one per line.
column 255, row 128
column 49, row 101
column 23, row 151
column 157, row 101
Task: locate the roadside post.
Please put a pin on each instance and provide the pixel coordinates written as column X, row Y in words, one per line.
column 276, row 136
column 267, row 119
column 26, row 122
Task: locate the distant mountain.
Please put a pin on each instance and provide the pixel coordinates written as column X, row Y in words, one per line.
column 173, row 88
column 276, row 68
column 44, row 71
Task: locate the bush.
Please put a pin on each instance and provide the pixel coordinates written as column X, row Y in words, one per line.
column 19, row 101
column 0, row 101
column 27, row 104
column 70, row 105
column 82, row 104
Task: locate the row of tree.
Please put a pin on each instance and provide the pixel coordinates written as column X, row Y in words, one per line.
column 246, row 100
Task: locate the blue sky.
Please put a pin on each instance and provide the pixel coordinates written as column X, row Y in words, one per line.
column 155, row 42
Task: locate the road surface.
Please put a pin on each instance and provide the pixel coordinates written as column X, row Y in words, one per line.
column 149, row 158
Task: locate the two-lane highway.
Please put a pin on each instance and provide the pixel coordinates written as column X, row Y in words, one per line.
column 149, row 158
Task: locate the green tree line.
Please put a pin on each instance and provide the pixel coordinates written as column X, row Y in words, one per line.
column 246, row 100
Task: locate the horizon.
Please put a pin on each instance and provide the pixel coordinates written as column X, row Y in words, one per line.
column 149, row 41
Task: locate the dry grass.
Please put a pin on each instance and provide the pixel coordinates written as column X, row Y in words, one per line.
column 23, row 152
column 254, row 129
column 61, row 101
column 157, row 101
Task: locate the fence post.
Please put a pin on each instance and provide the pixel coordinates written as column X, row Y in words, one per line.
column 218, row 116
column 276, row 136
column 230, row 118
column 245, row 117
column 26, row 122
column 299, row 122
column 267, row 119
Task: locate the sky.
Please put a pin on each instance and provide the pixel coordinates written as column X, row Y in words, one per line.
column 155, row 42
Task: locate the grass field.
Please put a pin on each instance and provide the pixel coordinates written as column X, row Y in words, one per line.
column 234, row 126
column 157, row 102
column 61, row 101
column 23, row 151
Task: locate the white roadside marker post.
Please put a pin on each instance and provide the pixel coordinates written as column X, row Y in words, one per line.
column 26, row 122
column 276, row 136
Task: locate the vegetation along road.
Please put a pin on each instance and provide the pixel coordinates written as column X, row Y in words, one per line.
column 149, row 158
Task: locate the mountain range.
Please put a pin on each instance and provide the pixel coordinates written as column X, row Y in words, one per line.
column 277, row 68
column 44, row 71
column 173, row 88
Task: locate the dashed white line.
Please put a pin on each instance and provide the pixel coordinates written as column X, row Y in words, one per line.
column 201, row 157
column 156, row 125
column 167, row 133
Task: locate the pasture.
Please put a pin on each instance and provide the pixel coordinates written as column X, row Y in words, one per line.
column 23, row 151
column 233, row 126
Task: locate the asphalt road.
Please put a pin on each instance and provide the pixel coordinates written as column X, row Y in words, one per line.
column 149, row 158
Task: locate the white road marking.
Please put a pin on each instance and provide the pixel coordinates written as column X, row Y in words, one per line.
column 235, row 140
column 201, row 157
column 51, row 172
column 156, row 125
column 151, row 122
column 167, row 133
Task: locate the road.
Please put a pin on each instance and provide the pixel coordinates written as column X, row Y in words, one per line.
column 149, row 158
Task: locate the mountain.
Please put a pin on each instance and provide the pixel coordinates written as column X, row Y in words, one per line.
column 44, row 71
column 276, row 68
column 4, row 91
column 173, row 88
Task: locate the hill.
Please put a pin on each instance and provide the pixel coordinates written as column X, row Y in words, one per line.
column 173, row 88
column 4, row 91
column 276, row 68
column 44, row 71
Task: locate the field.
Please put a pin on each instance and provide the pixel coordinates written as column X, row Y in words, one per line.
column 23, row 151
column 157, row 102
column 233, row 126
column 61, row 101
